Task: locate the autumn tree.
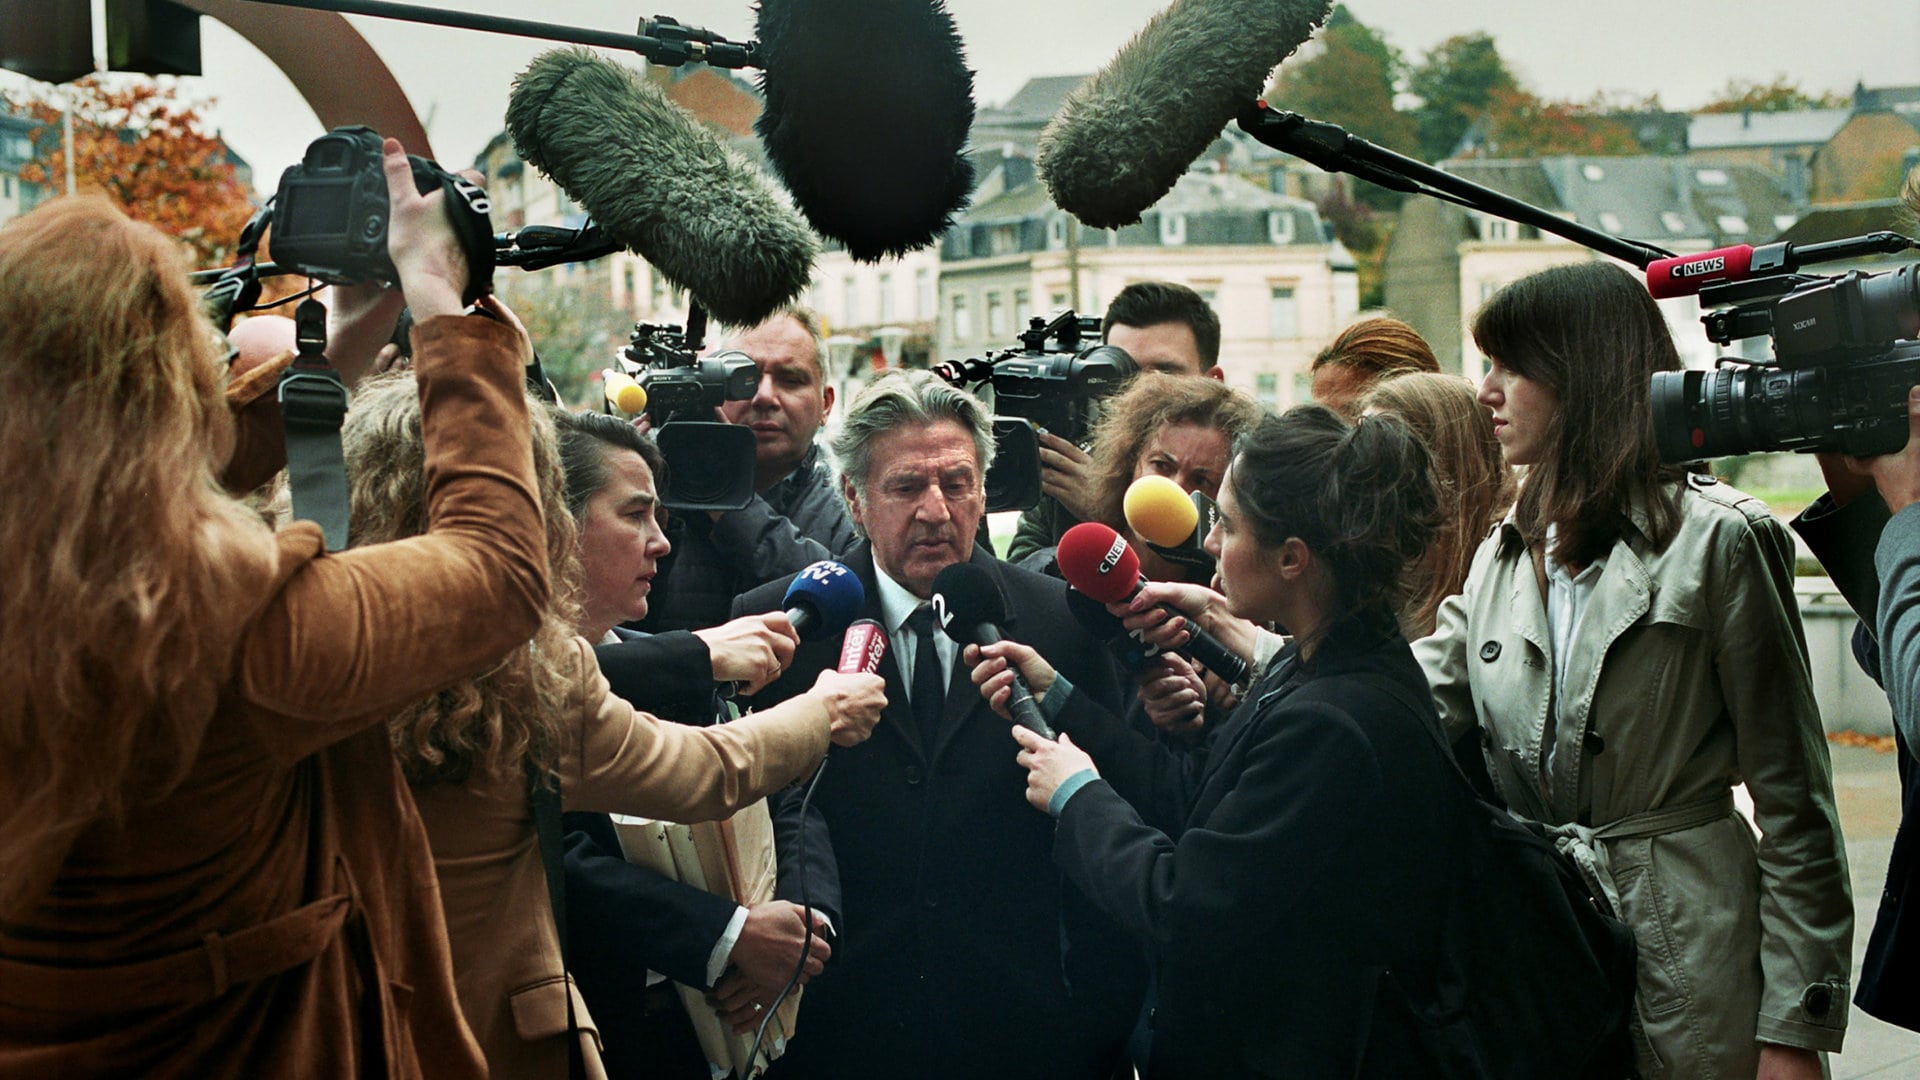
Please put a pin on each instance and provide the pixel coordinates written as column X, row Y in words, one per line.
column 1456, row 83
column 1780, row 95
column 573, row 323
column 137, row 141
column 1350, row 81
column 1518, row 124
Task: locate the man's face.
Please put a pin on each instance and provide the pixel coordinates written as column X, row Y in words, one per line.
column 791, row 401
column 923, row 502
column 1168, row 348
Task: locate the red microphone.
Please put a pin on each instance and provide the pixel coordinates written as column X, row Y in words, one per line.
column 862, row 649
column 1097, row 561
column 1684, row 275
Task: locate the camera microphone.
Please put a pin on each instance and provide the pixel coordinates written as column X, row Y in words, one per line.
column 868, row 106
column 1126, row 135
column 660, row 184
column 1097, row 561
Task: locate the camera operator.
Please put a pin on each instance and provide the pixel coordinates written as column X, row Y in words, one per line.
column 1166, row 328
column 1866, row 535
column 633, row 929
column 796, row 517
column 212, row 865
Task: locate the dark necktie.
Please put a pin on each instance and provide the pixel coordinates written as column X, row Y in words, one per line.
column 929, row 693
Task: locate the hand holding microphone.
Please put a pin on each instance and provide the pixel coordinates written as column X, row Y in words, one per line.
column 1173, row 521
column 822, row 601
column 968, row 605
column 750, row 651
column 1097, row 561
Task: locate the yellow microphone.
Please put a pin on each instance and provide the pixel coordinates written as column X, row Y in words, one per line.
column 623, row 393
column 1160, row 511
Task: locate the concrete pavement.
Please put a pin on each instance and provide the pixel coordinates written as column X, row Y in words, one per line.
column 1867, row 791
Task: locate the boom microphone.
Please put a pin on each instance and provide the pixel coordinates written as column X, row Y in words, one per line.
column 968, row 605
column 660, row 184
column 868, row 105
column 1097, row 561
column 1684, row 275
column 1127, row 134
column 823, row 599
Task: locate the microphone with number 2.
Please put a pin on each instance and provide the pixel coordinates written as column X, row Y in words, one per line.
column 970, row 609
column 1097, row 561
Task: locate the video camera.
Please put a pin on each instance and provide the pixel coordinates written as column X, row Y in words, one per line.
column 1844, row 355
column 1050, row 382
column 710, row 464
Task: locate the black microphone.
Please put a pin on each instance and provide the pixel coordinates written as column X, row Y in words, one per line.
column 1127, row 134
column 868, row 105
column 969, row 607
column 660, row 184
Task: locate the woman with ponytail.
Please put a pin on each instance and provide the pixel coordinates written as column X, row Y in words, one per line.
column 1628, row 648
column 1291, row 882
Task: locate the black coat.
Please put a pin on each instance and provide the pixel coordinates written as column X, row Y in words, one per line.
column 961, row 951
column 1280, row 877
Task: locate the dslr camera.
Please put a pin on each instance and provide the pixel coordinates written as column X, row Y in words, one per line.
column 710, row 464
column 330, row 213
column 1051, row 382
column 1844, row 355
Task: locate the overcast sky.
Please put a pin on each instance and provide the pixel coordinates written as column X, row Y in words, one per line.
column 1683, row 49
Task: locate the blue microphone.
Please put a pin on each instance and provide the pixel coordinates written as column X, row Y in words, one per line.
column 823, row 600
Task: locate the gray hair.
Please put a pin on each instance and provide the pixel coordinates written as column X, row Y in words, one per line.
column 899, row 397
column 809, row 321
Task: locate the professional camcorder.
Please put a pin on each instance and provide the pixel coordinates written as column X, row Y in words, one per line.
column 330, row 213
column 1844, row 355
column 710, row 464
column 1050, row 382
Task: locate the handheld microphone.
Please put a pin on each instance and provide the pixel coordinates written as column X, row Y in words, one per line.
column 868, row 106
column 1097, row 561
column 1103, row 626
column 862, row 649
column 969, row 607
column 623, row 392
column 1173, row 522
column 1124, row 136
column 823, row 599
column 660, row 185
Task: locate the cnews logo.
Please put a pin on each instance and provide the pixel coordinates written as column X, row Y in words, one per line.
column 1112, row 557
column 1702, row 266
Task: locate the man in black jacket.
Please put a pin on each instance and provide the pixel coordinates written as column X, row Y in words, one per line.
column 796, row 518
column 960, row 951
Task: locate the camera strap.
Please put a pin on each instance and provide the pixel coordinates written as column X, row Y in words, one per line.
column 313, row 405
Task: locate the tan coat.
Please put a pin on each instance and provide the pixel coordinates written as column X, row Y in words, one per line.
column 277, row 914
column 1688, row 675
column 506, row 954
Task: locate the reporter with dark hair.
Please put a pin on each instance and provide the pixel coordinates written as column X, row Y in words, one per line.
column 210, row 865
column 1627, row 646
column 1291, row 883
column 1166, row 328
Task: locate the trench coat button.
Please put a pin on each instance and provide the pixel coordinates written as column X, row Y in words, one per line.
column 1490, row 651
column 1817, row 1000
column 913, row 774
column 930, row 901
column 1595, row 744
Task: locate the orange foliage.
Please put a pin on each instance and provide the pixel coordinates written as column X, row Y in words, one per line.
column 1521, row 125
column 137, row 142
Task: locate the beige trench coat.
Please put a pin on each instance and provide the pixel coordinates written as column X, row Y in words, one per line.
column 1688, row 675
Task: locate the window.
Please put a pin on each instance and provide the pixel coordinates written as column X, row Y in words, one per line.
column 962, row 319
column 1593, row 173
column 923, row 303
column 1673, row 221
column 1280, row 226
column 1783, row 222
column 886, row 298
column 1283, row 316
column 1059, row 301
column 18, row 146
column 1022, row 309
column 996, row 317
column 1266, row 388
column 1488, row 287
column 1499, row 229
column 1173, row 228
column 658, row 290
column 630, row 278
column 1711, row 177
column 850, row 300
column 1057, row 232
column 1731, row 223
column 1610, row 221
column 1004, row 240
column 7, row 191
column 1211, row 296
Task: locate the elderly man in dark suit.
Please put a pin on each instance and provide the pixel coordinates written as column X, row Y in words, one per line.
column 961, row 952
